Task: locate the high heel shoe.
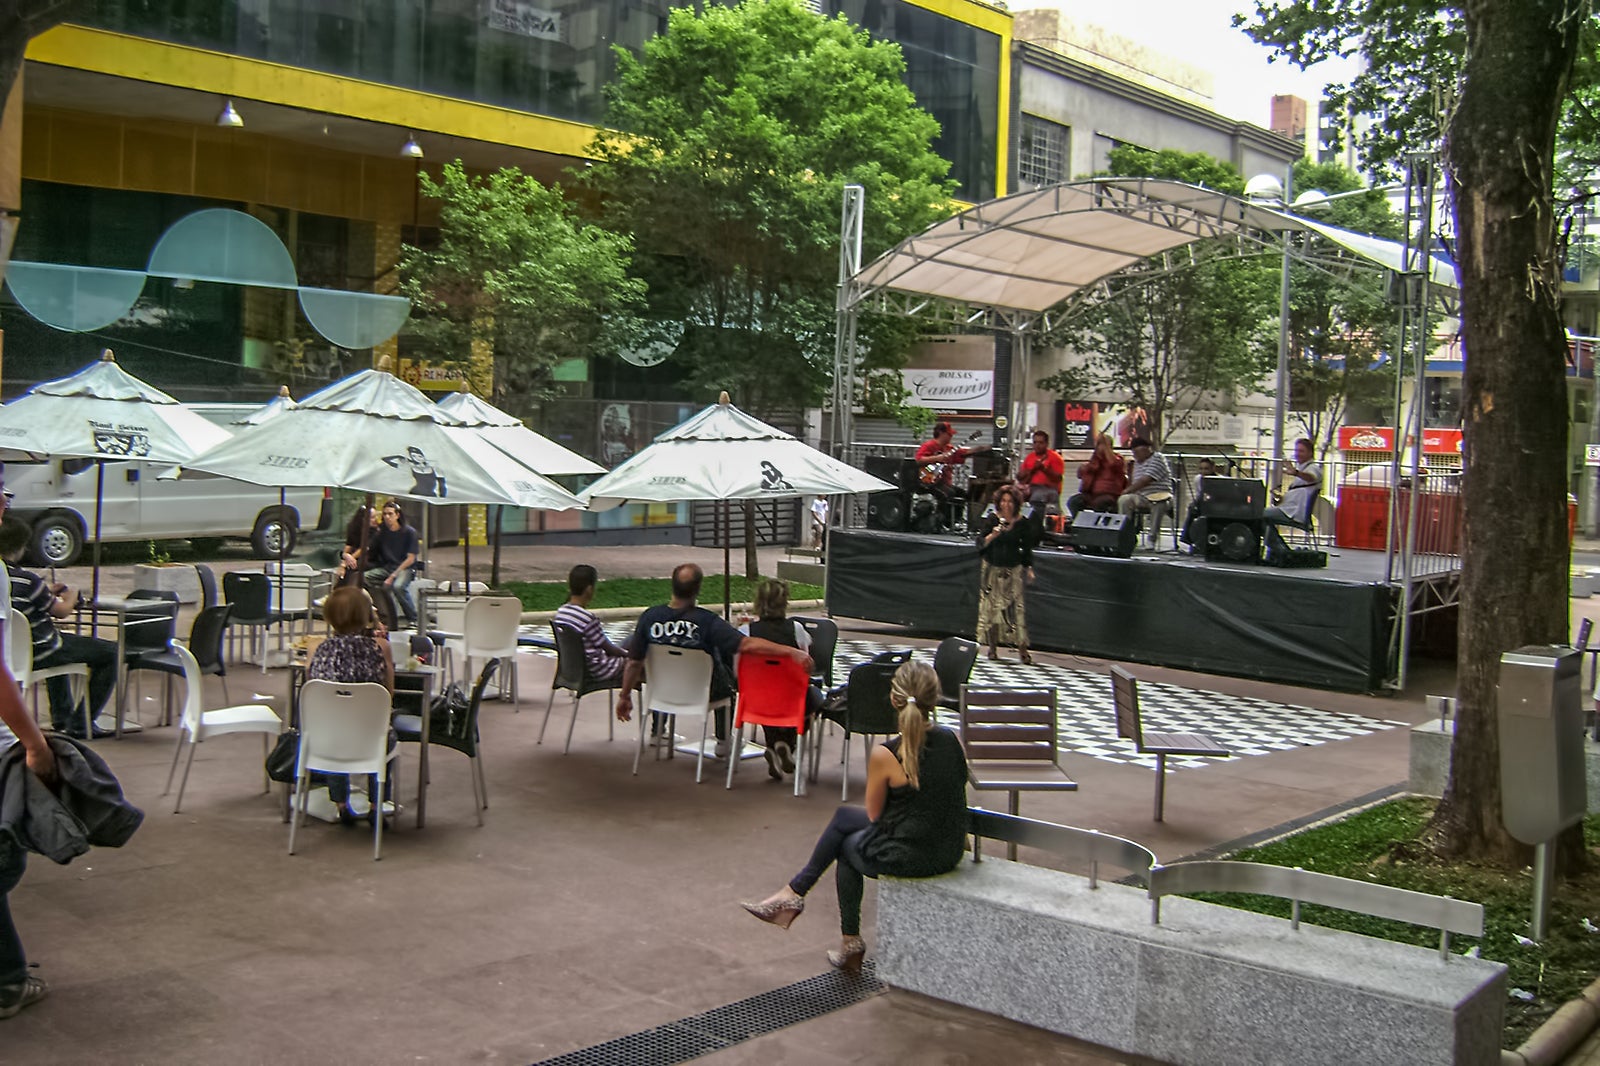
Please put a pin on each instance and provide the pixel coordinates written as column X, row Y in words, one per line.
column 1027, row 659
column 778, row 912
column 849, row 957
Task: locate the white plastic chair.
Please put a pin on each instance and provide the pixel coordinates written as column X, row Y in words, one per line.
column 344, row 729
column 489, row 631
column 198, row 725
column 19, row 657
column 297, row 581
column 677, row 684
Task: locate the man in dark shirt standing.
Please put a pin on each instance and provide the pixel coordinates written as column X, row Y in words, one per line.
column 683, row 624
column 392, row 555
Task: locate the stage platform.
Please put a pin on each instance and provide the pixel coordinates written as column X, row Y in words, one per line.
column 1329, row 628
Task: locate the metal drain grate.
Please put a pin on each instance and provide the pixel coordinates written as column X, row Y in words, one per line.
column 734, row 1023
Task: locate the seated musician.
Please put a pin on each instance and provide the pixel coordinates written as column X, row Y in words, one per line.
column 1302, row 486
column 1040, row 475
column 1101, row 480
column 1151, row 481
column 1208, row 468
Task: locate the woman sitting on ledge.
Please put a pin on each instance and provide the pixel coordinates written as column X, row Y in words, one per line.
column 914, row 823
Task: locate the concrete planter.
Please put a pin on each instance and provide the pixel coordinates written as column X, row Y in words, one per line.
column 172, row 577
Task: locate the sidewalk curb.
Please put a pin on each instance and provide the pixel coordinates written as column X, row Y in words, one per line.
column 629, row 614
column 1568, row 1027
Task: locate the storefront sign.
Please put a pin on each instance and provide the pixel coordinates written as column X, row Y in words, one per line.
column 1204, row 427
column 524, row 19
column 433, row 377
column 1591, row 455
column 949, row 390
column 1076, row 422
column 1381, row 439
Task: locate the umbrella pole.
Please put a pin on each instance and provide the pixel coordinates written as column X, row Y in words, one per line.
column 494, row 564
column 99, row 505
column 420, row 597
column 283, row 544
column 727, row 581
column 466, row 546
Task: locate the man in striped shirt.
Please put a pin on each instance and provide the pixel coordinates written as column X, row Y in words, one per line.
column 1150, row 479
column 605, row 659
column 42, row 605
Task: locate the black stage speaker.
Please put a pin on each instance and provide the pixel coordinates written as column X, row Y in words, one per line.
column 1236, row 541
column 1099, row 533
column 1232, row 497
column 888, row 510
column 890, row 468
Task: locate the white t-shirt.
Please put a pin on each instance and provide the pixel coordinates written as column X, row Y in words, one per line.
column 819, row 510
column 1299, row 497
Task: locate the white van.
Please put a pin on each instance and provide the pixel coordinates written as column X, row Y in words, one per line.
column 56, row 497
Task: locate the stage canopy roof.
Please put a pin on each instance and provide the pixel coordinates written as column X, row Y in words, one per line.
column 1029, row 252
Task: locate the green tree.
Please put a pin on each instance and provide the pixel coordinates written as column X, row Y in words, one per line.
column 1511, row 69
column 1180, row 330
column 1340, row 327
column 516, row 273
column 729, row 142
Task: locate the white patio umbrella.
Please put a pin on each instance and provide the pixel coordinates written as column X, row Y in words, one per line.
column 724, row 454
column 103, row 413
column 374, row 433
column 507, row 433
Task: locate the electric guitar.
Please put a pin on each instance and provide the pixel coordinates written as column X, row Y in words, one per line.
column 933, row 473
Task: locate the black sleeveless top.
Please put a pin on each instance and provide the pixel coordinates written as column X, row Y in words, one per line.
column 779, row 632
column 923, row 831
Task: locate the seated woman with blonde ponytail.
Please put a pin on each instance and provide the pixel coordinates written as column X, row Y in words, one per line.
column 914, row 823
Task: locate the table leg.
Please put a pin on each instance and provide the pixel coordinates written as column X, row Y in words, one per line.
column 422, row 757
column 121, row 687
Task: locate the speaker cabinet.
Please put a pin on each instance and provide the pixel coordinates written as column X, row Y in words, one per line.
column 1232, row 498
column 1236, row 541
column 894, row 469
column 1099, row 533
column 888, row 510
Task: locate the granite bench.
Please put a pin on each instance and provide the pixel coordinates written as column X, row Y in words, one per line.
column 1205, row 984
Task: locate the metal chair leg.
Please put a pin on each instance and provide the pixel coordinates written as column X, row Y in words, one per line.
column 549, row 704
column 642, row 713
column 576, row 699
column 1161, row 784
column 172, row 772
column 183, row 783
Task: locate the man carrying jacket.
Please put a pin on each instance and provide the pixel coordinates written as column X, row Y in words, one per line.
column 17, row 988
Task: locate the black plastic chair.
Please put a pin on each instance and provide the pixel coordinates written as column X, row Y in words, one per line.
column 824, row 634
column 462, row 737
column 208, row 585
column 205, row 644
column 250, row 596
column 953, row 663
column 572, row 674
column 866, row 709
column 147, row 632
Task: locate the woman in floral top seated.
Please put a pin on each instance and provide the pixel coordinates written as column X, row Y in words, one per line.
column 358, row 651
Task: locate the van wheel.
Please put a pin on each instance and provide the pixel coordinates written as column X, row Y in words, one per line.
column 275, row 533
column 57, row 540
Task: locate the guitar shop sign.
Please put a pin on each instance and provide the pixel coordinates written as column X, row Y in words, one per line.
column 949, row 390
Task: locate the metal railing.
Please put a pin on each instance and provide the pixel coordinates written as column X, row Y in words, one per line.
column 1299, row 886
column 1078, row 845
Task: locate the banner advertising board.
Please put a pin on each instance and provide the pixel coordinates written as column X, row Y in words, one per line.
column 524, row 19
column 949, row 390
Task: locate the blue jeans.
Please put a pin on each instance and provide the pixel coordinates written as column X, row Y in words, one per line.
column 13, row 963
column 401, row 588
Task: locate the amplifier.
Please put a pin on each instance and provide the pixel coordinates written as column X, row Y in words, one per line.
column 889, row 510
column 897, row 470
column 1232, row 497
column 1237, row 541
column 1099, row 533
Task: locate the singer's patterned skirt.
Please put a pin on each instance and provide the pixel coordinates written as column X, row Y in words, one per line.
column 1002, row 615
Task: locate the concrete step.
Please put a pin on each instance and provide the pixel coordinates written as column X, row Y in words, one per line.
column 811, row 573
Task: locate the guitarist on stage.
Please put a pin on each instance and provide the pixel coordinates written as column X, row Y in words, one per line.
column 937, row 460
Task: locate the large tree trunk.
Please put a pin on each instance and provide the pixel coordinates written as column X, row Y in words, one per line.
column 1500, row 146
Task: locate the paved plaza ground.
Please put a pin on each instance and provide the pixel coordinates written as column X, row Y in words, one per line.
column 593, row 904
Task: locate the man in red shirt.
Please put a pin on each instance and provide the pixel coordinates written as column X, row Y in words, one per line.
column 1041, row 474
column 937, row 459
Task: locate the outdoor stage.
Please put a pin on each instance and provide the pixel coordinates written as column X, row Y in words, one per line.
column 1329, row 628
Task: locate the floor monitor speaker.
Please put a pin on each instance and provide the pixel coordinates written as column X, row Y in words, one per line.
column 1100, row 533
column 1233, row 541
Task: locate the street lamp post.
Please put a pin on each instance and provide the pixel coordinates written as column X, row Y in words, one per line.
column 1267, row 189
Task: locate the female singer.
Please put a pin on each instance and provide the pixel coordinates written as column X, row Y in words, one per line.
column 1005, row 544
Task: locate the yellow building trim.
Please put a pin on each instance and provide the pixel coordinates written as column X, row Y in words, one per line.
column 143, row 59
column 982, row 16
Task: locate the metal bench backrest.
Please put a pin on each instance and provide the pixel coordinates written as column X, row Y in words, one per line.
column 1304, row 886
column 1009, row 724
column 1068, row 842
column 1125, row 696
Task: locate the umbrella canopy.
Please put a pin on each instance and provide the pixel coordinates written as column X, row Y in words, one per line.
column 103, row 412
column 515, row 439
column 724, row 454
column 372, row 432
column 271, row 409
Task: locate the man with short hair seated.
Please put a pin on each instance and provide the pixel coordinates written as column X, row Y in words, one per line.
column 682, row 623
column 1150, row 482
column 603, row 658
column 1302, row 485
column 42, row 605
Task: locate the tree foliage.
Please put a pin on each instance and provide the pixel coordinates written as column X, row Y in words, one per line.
column 20, row 22
column 1180, row 329
column 1341, row 329
column 517, row 273
column 729, row 142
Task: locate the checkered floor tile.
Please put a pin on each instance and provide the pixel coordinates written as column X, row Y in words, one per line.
column 1242, row 724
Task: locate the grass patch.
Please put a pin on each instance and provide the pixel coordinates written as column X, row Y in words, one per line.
column 644, row 592
column 1363, row 847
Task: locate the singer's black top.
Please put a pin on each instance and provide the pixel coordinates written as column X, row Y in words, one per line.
column 1014, row 547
